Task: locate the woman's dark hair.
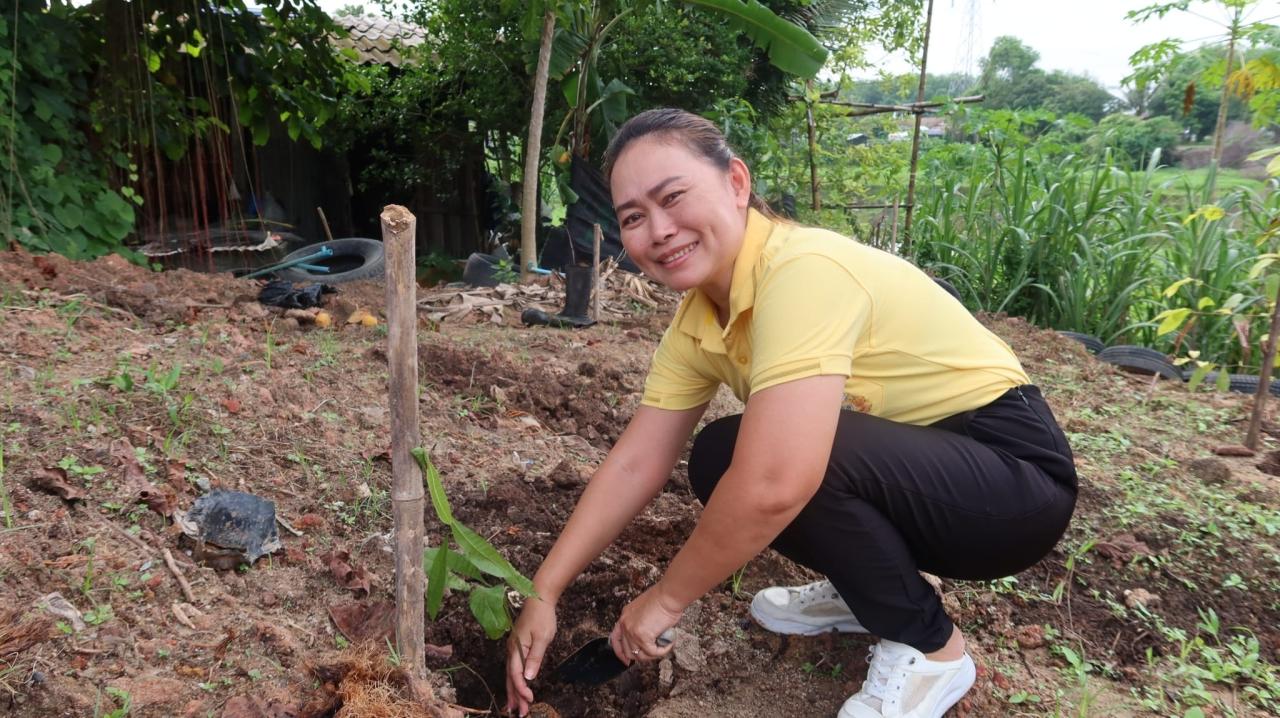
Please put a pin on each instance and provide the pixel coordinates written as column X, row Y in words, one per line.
column 697, row 133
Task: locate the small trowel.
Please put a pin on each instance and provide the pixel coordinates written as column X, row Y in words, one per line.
column 596, row 663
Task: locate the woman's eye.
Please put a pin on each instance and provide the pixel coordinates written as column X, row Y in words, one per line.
column 672, row 197
column 630, row 219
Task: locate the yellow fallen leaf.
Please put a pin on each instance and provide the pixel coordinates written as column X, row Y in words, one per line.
column 368, row 320
column 323, row 320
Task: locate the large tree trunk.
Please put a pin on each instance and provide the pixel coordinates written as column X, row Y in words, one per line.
column 533, row 153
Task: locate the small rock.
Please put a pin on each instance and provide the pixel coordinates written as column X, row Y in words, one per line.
column 688, row 652
column 666, row 674
column 1140, row 597
column 269, row 599
column 1029, row 637
column 1210, row 470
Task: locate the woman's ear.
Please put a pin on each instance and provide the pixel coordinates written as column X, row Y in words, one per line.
column 740, row 182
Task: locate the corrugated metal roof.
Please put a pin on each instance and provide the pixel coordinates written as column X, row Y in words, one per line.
column 377, row 40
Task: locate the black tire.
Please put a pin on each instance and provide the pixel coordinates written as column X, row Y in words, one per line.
column 353, row 258
column 1090, row 342
column 1240, row 383
column 950, row 289
column 1140, row 360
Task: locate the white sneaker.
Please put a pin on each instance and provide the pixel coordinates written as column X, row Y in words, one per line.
column 804, row 610
column 902, row 683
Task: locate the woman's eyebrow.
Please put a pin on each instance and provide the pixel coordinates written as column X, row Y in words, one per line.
column 656, row 189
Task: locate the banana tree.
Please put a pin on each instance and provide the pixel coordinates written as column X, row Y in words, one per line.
column 573, row 48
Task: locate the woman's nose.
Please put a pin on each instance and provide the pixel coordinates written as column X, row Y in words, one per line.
column 661, row 226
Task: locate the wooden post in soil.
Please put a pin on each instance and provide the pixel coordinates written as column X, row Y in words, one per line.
column 595, row 273
column 407, row 498
column 1264, row 379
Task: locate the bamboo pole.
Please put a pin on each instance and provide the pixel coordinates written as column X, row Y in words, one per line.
column 398, row 236
column 1264, row 378
column 595, row 273
column 915, row 138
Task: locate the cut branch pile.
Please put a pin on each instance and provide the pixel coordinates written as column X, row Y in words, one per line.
column 620, row 294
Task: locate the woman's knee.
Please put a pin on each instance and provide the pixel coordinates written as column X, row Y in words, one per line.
column 711, row 454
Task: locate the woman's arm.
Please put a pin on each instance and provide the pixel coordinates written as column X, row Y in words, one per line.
column 779, row 460
column 632, row 474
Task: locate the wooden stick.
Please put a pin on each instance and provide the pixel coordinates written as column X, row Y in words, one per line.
column 177, row 573
column 407, row 497
column 324, row 222
column 1264, row 381
column 595, row 273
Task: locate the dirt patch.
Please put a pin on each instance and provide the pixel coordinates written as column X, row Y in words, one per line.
column 207, row 389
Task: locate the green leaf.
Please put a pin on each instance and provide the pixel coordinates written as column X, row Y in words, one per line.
column 437, row 576
column 487, row 559
column 153, row 60
column 1172, row 320
column 52, row 154
column 457, row 563
column 261, row 133
column 567, row 48
column 1265, row 261
column 489, row 606
column 435, row 487
column 1224, row 381
column 790, row 47
column 1198, row 375
column 69, row 215
column 570, row 88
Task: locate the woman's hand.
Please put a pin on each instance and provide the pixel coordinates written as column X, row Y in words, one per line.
column 526, row 646
column 635, row 635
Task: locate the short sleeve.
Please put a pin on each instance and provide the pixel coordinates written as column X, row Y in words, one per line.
column 674, row 381
column 809, row 313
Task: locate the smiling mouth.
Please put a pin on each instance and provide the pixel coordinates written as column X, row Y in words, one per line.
column 679, row 254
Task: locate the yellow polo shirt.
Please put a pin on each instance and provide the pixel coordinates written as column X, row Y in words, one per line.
column 807, row 302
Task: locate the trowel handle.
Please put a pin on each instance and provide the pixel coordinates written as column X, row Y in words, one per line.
column 666, row 638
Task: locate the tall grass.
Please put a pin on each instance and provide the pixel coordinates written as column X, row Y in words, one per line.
column 1072, row 241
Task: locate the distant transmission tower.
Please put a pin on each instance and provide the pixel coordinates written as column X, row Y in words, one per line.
column 972, row 36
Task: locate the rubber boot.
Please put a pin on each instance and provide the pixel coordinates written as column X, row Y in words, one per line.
column 577, row 297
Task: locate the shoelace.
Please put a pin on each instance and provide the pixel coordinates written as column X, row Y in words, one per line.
column 885, row 670
column 816, row 591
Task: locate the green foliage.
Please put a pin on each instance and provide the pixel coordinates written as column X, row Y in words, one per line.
column 55, row 194
column 475, row 559
column 1134, row 140
column 1070, row 240
column 1011, row 80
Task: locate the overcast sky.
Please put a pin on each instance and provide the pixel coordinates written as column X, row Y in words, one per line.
column 1083, row 36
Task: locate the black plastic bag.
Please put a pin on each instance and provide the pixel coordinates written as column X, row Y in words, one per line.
column 282, row 293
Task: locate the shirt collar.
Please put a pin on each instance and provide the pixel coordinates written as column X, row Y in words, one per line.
column 699, row 319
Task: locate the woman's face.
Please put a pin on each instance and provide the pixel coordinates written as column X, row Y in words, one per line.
column 682, row 218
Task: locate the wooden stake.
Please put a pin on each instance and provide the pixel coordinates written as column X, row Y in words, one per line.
column 1264, row 379
column 324, row 222
column 915, row 138
column 595, row 274
column 398, row 233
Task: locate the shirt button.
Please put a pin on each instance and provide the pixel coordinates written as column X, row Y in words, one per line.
column 742, row 360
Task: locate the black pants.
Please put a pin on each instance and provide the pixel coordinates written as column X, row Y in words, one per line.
column 979, row 495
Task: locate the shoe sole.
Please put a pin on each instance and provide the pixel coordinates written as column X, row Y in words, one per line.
column 800, row 628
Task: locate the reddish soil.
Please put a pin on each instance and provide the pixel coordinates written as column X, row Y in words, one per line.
column 515, row 419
